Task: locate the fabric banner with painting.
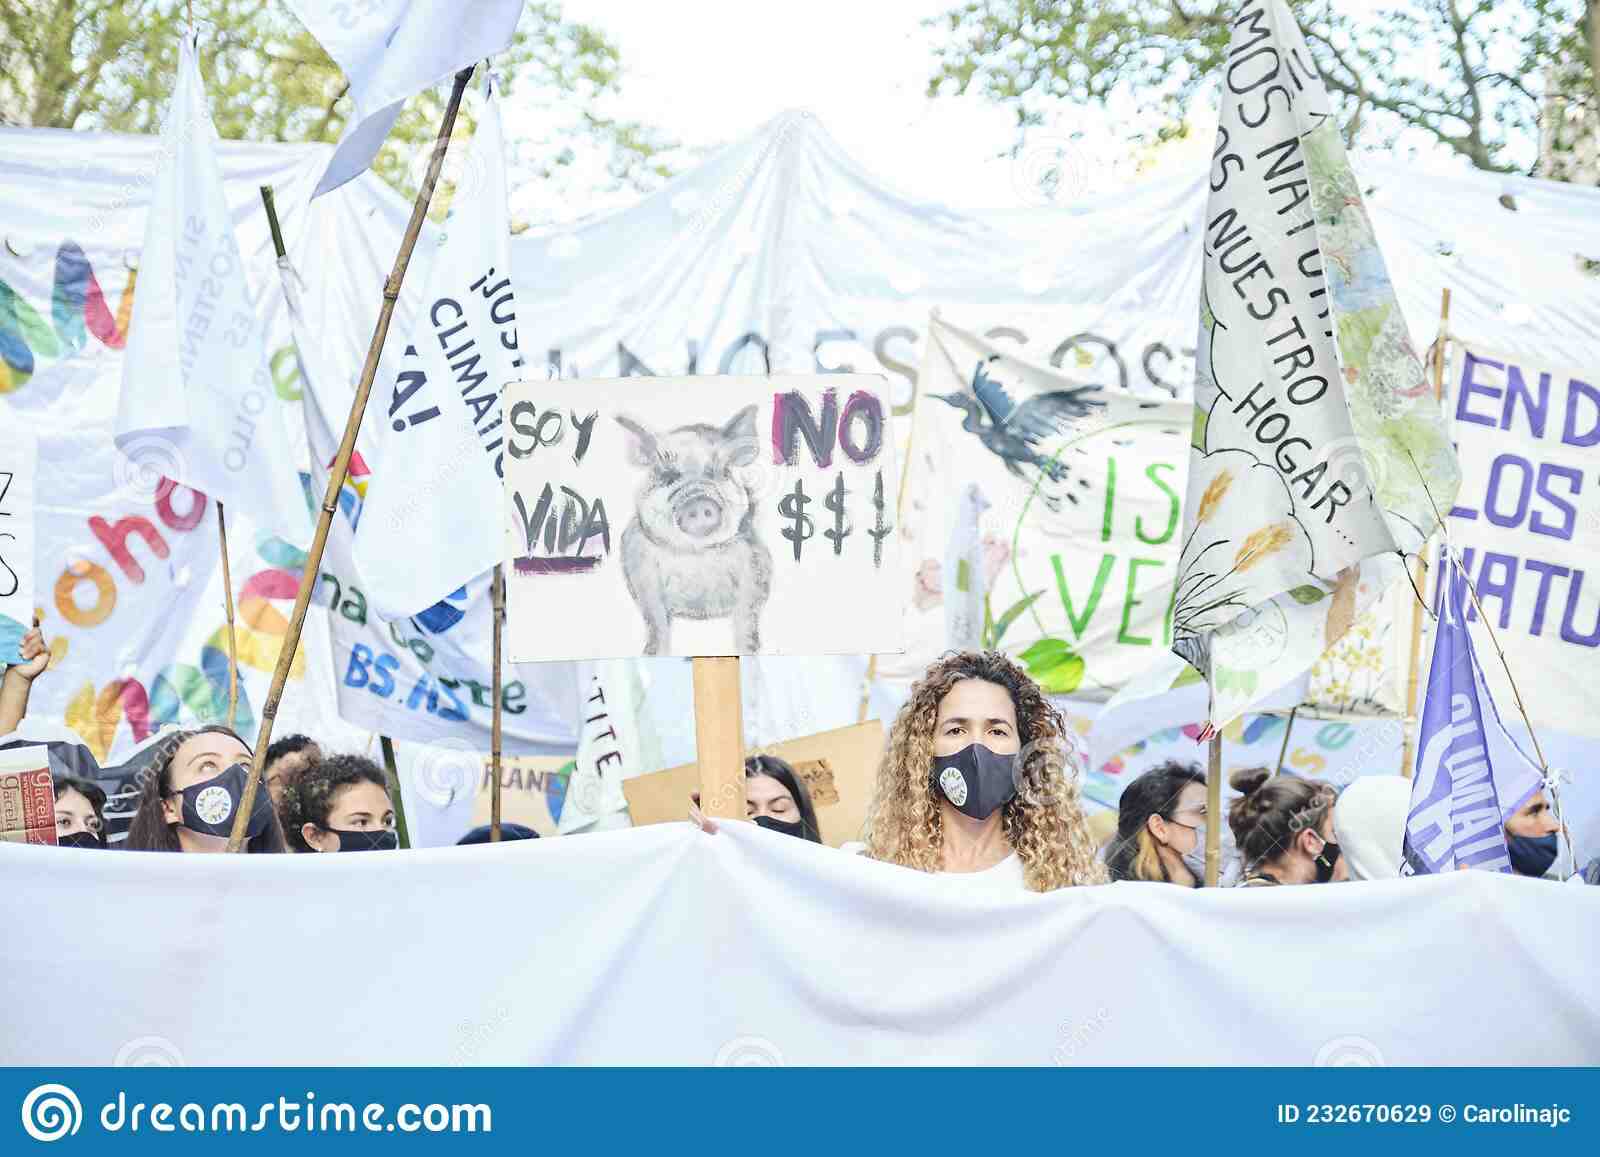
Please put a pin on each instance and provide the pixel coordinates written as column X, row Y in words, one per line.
column 19, row 456
column 1527, row 527
column 1041, row 516
column 1314, row 427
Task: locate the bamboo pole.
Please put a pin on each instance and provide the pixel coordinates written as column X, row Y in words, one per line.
column 1283, row 750
column 341, row 462
column 499, row 602
column 396, row 796
column 1419, row 568
column 719, row 737
column 1214, row 811
column 227, row 603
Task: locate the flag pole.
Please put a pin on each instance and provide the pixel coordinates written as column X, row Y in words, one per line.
column 227, row 603
column 499, row 605
column 341, row 462
column 1408, row 748
column 395, row 795
column 1214, row 810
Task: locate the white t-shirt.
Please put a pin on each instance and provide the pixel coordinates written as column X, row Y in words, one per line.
column 1006, row 876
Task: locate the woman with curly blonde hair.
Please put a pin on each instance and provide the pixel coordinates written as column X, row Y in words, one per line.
column 975, row 781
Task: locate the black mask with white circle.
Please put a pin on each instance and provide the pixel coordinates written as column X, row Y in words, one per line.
column 975, row 780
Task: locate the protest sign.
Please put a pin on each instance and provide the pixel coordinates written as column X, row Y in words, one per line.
column 735, row 516
column 19, row 453
column 837, row 767
column 1059, row 531
column 1527, row 525
column 533, row 789
column 27, row 796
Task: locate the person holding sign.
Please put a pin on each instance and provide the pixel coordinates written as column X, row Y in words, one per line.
column 974, row 782
column 191, row 790
column 1284, row 829
column 340, row 805
column 17, row 682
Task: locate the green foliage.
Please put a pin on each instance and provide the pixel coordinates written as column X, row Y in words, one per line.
column 994, row 629
column 1054, row 666
column 110, row 64
column 1470, row 73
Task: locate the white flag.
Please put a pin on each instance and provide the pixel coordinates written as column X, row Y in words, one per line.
column 432, row 520
column 390, row 50
column 1310, row 403
column 197, row 402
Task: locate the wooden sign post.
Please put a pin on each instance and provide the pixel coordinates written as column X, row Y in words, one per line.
column 719, row 736
column 1214, row 810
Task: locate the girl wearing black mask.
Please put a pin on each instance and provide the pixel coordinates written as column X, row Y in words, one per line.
column 776, row 798
column 192, row 791
column 340, row 805
column 976, row 782
column 80, row 813
column 1283, row 826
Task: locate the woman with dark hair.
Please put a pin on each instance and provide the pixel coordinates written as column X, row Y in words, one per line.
column 1161, row 827
column 776, row 798
column 1284, row 828
column 191, row 791
column 975, row 782
column 80, row 813
column 340, row 804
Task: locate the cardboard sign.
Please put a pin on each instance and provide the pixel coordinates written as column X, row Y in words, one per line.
column 838, row 768
column 27, row 797
column 695, row 516
column 532, row 790
column 18, row 459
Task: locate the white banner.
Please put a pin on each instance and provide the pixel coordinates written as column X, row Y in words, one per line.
column 196, row 403
column 818, row 958
column 1527, row 527
column 19, row 455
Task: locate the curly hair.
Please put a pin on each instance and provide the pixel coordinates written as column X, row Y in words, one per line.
column 150, row 831
column 1044, row 823
column 309, row 799
column 1273, row 810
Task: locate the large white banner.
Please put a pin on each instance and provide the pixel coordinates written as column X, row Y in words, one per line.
column 1527, row 527
column 664, row 945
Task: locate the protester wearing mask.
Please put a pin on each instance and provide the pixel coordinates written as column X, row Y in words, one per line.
column 775, row 798
column 1283, row 827
column 1161, row 827
column 192, row 791
column 16, row 684
column 340, row 804
column 80, row 813
column 1369, row 825
column 974, row 782
column 1532, row 837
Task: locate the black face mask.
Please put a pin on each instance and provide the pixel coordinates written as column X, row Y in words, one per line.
column 975, row 780
column 1532, row 855
column 208, row 806
column 794, row 828
column 1327, row 860
column 81, row 840
column 377, row 840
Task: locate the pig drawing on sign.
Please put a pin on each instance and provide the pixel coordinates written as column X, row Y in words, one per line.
column 692, row 550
